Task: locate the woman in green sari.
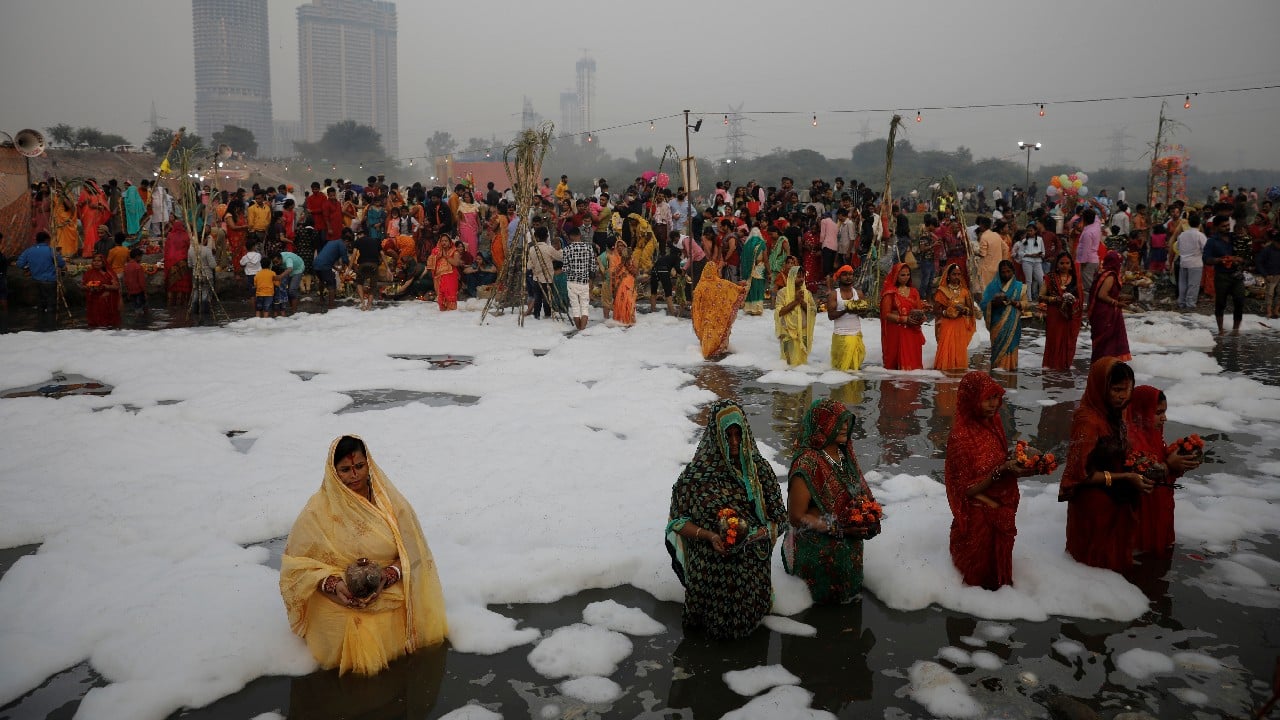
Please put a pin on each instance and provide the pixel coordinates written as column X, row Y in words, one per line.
column 1003, row 303
column 728, row 587
column 826, row 490
column 753, row 261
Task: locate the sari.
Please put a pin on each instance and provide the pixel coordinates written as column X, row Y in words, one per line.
column 1100, row 523
column 624, row 289
column 1106, row 321
column 811, row 258
column 795, row 329
column 1154, row 531
column 715, row 307
column 778, row 255
column 336, row 527
column 903, row 345
column 953, row 330
column 831, row 566
column 134, row 209
column 1004, row 322
column 176, row 245
column 726, row 596
column 646, row 244
column 981, row 536
column 66, row 237
column 101, row 296
column 469, row 226
column 1062, row 320
column 94, row 212
column 498, row 241
column 752, row 262
column 445, row 276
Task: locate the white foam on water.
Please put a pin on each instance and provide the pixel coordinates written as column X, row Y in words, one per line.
column 786, row 702
column 471, row 712
column 1067, row 647
column 941, row 692
column 478, row 630
column 787, row 626
column 955, row 656
column 616, row 616
column 579, row 650
column 1142, row 664
column 996, row 632
column 592, row 689
column 1190, row 697
column 1197, row 662
column 986, row 660
column 753, row 681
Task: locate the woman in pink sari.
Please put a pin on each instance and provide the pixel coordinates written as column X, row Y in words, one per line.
column 1106, row 312
column 467, row 219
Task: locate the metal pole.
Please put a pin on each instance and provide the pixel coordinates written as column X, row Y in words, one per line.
column 688, row 174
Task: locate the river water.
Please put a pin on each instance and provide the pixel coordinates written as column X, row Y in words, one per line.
column 854, row 665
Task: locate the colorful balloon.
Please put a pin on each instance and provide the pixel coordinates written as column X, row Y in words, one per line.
column 1052, row 190
column 1072, row 177
column 1084, row 192
column 1083, row 177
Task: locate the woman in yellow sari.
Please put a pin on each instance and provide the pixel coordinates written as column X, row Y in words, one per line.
column 624, row 285
column 956, row 320
column 646, row 244
column 795, row 317
column 66, row 236
column 716, row 302
column 358, row 514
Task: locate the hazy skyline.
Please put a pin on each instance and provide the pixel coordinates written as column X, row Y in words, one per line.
column 466, row 72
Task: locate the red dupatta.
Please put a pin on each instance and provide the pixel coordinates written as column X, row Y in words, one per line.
column 1091, row 422
column 976, row 447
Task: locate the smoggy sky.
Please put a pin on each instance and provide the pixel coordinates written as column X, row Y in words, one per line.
column 465, row 67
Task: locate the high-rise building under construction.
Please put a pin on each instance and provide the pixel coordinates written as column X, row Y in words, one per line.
column 233, row 69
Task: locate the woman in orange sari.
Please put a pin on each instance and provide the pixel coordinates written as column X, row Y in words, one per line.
column 63, row 228
column 715, row 306
column 1145, row 417
column 358, row 515
column 497, row 226
column 624, row 285
column 101, row 295
column 444, row 263
column 955, row 323
column 94, row 212
column 901, row 315
column 1102, row 498
column 982, row 485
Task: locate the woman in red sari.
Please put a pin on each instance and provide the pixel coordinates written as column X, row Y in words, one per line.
column 1064, row 311
column 1101, row 498
column 811, row 259
column 237, row 226
column 177, row 273
column 901, row 314
column 1106, row 312
column 444, row 263
column 1145, row 417
column 101, row 294
column 982, row 485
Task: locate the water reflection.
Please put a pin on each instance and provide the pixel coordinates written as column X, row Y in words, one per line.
column 897, row 422
column 833, row 664
column 698, row 667
column 942, row 417
column 407, row 689
column 788, row 411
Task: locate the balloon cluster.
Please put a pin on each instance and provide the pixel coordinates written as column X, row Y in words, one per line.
column 1072, row 185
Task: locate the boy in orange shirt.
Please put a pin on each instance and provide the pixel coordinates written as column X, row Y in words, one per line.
column 264, row 292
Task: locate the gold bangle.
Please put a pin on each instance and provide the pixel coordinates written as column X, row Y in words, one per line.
column 1106, row 477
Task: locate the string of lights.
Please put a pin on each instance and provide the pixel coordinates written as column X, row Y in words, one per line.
column 1038, row 105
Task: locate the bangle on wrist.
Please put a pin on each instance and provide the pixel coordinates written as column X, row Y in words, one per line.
column 1106, row 477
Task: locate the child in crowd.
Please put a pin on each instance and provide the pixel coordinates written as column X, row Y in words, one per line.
column 265, row 283
column 252, row 264
column 560, row 303
column 280, row 302
column 135, row 282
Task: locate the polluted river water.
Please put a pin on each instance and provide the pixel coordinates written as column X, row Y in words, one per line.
column 1205, row 648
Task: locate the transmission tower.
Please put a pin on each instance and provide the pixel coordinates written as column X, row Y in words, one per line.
column 865, row 133
column 734, row 148
column 1120, row 148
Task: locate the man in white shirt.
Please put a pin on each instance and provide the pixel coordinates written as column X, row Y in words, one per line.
column 1120, row 195
column 1122, row 217
column 1191, row 244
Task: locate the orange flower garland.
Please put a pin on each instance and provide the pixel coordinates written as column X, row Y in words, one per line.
column 865, row 512
column 1191, row 445
column 1042, row 463
column 731, row 526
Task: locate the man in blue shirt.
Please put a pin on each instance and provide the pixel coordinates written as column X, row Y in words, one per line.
column 43, row 263
column 1227, row 260
column 333, row 253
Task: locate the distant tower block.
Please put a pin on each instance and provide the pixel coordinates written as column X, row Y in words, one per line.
column 569, row 113
column 529, row 118
column 230, row 36
column 586, row 68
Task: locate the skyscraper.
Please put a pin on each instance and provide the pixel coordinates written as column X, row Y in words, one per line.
column 347, row 67
column 586, row 68
column 233, row 70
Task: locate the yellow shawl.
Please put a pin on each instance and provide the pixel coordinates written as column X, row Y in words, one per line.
column 796, row 326
column 336, row 527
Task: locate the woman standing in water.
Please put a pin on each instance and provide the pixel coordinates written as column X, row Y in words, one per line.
column 1101, row 496
column 825, row 484
column 901, row 314
column 1145, row 418
column 727, row 581
column 1064, row 311
column 1004, row 301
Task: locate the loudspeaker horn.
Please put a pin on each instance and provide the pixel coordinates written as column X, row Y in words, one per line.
column 29, row 142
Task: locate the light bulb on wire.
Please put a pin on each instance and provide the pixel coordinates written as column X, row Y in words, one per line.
column 1041, row 109
column 410, row 162
column 815, row 119
column 726, row 119
column 651, row 126
column 918, row 117
column 1187, row 103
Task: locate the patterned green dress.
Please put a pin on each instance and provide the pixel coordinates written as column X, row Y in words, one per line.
column 830, row 565
column 725, row 596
